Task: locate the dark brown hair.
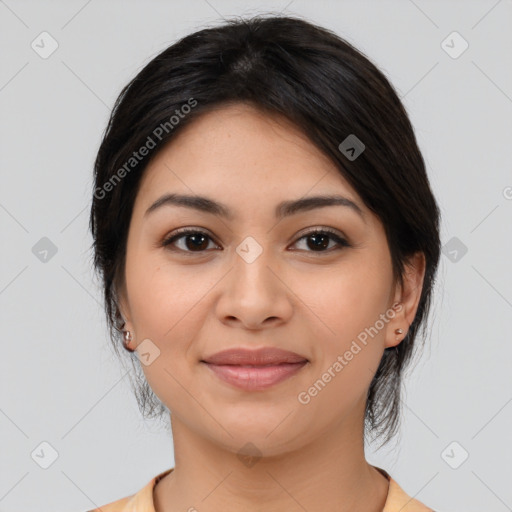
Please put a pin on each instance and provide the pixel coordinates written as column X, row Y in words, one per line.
column 327, row 88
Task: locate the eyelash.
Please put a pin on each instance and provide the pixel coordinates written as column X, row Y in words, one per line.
column 184, row 232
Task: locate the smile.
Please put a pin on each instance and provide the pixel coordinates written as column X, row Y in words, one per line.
column 255, row 377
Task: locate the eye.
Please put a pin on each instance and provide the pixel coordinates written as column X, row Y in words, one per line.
column 320, row 240
column 195, row 240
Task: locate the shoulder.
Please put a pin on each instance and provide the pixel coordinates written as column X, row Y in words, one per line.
column 399, row 500
column 142, row 501
column 122, row 505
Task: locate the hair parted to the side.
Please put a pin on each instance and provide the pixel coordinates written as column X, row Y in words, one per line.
column 288, row 67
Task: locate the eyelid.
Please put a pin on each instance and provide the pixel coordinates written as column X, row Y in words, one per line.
column 322, row 229
column 168, row 240
column 336, row 235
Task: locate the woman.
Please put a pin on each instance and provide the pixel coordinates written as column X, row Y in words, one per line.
column 268, row 241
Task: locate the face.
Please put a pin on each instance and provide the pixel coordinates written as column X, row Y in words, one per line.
column 251, row 279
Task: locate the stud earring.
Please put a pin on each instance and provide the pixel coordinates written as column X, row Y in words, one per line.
column 127, row 339
column 398, row 332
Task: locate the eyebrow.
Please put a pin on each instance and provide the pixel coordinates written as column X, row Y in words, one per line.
column 283, row 209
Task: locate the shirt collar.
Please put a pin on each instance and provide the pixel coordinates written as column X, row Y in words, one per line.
column 397, row 500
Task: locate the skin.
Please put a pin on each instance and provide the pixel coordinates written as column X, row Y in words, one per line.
column 311, row 301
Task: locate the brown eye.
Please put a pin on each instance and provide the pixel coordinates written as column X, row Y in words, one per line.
column 193, row 240
column 197, row 241
column 318, row 240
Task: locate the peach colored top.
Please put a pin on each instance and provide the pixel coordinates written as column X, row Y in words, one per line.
column 397, row 500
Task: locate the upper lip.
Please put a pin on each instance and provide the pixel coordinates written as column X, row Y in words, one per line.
column 260, row 357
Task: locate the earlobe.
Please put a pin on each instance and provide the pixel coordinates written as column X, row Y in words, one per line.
column 397, row 328
column 126, row 326
column 124, row 316
column 127, row 338
column 407, row 299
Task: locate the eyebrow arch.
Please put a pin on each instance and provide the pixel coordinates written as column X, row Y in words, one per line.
column 283, row 209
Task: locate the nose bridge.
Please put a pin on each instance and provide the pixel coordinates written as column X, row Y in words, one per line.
column 252, row 292
column 252, row 262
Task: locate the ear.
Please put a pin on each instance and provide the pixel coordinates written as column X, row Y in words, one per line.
column 124, row 309
column 408, row 298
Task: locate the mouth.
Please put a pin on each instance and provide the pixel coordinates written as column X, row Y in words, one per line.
column 254, row 377
column 254, row 369
column 265, row 356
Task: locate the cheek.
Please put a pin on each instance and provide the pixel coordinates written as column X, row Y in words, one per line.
column 348, row 304
column 165, row 306
column 347, row 350
column 168, row 304
column 350, row 298
column 162, row 297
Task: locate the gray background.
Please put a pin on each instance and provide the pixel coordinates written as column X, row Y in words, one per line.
column 60, row 381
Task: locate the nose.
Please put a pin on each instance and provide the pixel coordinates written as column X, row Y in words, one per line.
column 254, row 294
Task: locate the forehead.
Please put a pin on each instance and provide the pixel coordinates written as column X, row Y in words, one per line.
column 237, row 151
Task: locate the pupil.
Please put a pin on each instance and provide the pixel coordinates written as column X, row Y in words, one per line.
column 194, row 245
column 321, row 245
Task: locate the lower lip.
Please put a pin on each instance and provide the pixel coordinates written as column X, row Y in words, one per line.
column 257, row 377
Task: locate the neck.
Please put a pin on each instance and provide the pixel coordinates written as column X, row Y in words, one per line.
column 330, row 471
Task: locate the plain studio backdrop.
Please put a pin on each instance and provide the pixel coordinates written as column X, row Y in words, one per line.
column 65, row 400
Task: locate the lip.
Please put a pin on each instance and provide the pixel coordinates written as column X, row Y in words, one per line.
column 257, row 357
column 255, row 378
column 254, row 370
